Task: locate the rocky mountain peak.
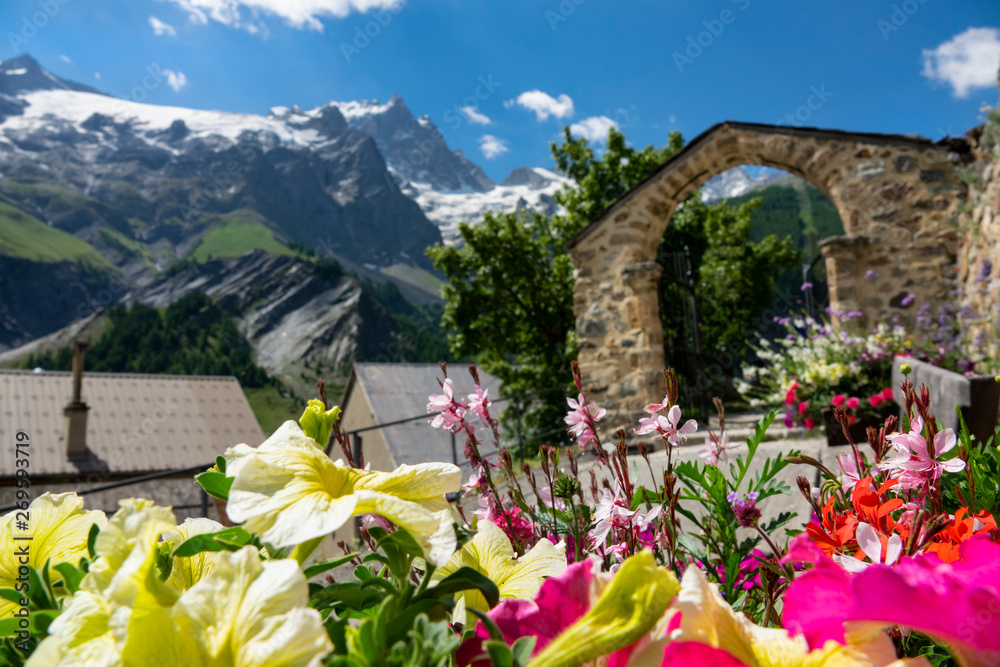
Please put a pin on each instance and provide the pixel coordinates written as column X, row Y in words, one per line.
column 24, row 74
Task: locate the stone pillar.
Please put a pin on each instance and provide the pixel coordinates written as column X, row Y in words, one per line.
column 621, row 340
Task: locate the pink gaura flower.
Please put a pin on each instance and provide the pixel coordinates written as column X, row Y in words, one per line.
column 479, row 403
column 718, row 450
column 849, row 467
column 611, row 511
column 580, row 417
column 909, row 458
column 957, row 603
column 667, row 426
column 451, row 413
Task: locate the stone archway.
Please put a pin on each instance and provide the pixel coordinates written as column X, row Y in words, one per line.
column 897, row 196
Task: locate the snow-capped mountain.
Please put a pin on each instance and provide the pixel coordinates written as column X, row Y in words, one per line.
column 448, row 187
column 739, row 181
column 146, row 184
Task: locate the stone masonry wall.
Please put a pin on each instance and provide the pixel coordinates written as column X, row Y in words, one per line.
column 979, row 260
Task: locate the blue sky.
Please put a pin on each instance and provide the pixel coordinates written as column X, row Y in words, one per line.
column 921, row 66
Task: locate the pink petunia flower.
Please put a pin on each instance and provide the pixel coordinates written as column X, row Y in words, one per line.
column 957, row 603
column 887, row 394
column 803, row 407
column 876, row 400
column 853, row 402
column 809, row 423
column 839, row 400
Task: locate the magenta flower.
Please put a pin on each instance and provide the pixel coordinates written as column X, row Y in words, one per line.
column 667, row 426
column 451, row 413
column 958, row 603
column 853, row 402
column 684, row 654
column 580, row 418
column 560, row 602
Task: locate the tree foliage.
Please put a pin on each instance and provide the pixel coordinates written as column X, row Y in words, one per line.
column 734, row 282
column 509, row 298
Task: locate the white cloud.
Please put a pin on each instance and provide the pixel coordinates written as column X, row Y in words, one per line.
column 544, row 105
column 175, row 80
column 65, row 59
column 594, row 128
column 968, row 60
column 492, row 146
column 476, row 117
column 673, row 119
column 97, row 75
column 161, row 28
column 297, row 13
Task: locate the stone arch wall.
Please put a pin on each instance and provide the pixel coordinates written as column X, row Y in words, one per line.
column 897, row 196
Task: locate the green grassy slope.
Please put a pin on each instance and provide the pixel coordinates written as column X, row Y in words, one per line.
column 21, row 235
column 236, row 237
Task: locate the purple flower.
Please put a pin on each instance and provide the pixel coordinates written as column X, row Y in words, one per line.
column 806, row 285
column 746, row 511
column 907, row 300
column 985, row 269
column 872, row 275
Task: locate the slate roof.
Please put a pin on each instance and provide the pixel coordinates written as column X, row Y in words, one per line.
column 397, row 391
column 136, row 423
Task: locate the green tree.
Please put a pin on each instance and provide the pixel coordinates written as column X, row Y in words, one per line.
column 509, row 298
column 509, row 301
column 734, row 281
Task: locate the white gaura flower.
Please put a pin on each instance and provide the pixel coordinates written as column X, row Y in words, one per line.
column 58, row 526
column 189, row 570
column 289, row 492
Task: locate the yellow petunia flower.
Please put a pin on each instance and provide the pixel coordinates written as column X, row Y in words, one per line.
column 58, row 526
column 628, row 607
column 188, row 571
column 95, row 625
column 491, row 553
column 289, row 492
column 246, row 613
column 700, row 614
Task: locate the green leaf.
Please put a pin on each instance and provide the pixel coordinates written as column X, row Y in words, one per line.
column 522, row 650
column 220, row 464
column 72, row 576
column 11, row 595
column 37, row 591
column 230, row 539
column 92, row 541
column 40, row 621
column 317, row 421
column 9, row 627
column 500, row 653
column 464, row 579
column 320, row 568
column 216, row 484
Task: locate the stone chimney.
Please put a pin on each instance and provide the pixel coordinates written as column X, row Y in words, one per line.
column 76, row 410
